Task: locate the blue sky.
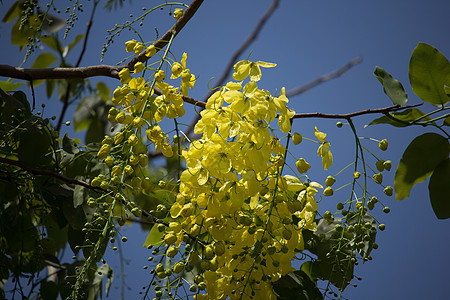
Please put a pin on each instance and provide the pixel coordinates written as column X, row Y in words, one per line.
column 308, row 39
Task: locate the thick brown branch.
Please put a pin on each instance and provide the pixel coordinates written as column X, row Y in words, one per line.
column 98, row 70
column 187, row 15
column 321, row 79
column 46, row 173
column 59, row 73
column 384, row 110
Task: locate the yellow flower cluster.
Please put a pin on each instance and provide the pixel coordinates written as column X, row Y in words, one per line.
column 233, row 194
column 136, row 108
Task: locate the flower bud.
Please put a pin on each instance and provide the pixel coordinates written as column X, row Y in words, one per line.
column 388, row 190
column 378, row 178
column 124, row 76
column 129, row 46
column 328, row 191
column 177, row 13
column 387, row 165
column 330, row 181
column 383, row 145
column 302, row 166
column 297, row 138
column 138, row 48
column 138, row 67
column 104, row 151
column 150, row 51
column 380, row 165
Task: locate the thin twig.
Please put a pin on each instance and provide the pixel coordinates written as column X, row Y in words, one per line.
column 46, row 173
column 234, row 58
column 384, row 110
column 187, row 15
column 245, row 45
column 321, row 79
column 80, row 57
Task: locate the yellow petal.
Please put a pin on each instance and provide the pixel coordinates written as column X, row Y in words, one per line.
column 319, row 135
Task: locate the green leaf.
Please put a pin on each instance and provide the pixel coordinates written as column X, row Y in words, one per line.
column 307, row 268
column 154, row 238
column 296, row 286
column 52, row 23
column 429, row 72
column 20, row 37
column 78, row 38
column 48, row 290
column 94, row 289
column 75, row 238
column 79, row 194
column 439, row 189
column 406, row 117
column 447, row 121
column 43, row 61
column 12, row 13
column 85, row 112
column 95, row 132
column 103, row 90
column 68, row 145
column 34, row 146
column 52, row 42
column 447, row 90
column 8, row 86
column 419, row 160
column 50, row 87
column 74, row 216
column 391, row 86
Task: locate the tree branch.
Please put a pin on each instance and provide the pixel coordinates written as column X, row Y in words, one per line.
column 245, row 45
column 321, row 79
column 97, row 70
column 80, row 57
column 384, row 110
column 46, row 173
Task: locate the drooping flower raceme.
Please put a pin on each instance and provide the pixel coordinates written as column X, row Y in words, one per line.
column 233, row 191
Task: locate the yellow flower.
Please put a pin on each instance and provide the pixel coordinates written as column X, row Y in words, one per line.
column 177, row 68
column 130, row 45
column 159, row 76
column 187, row 81
column 325, row 153
column 324, row 149
column 138, row 48
column 302, row 166
column 150, row 51
column 319, row 135
column 246, row 68
column 124, row 76
column 178, row 13
column 104, row 151
column 138, row 67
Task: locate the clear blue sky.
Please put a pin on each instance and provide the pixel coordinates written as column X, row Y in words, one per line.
column 308, row 39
